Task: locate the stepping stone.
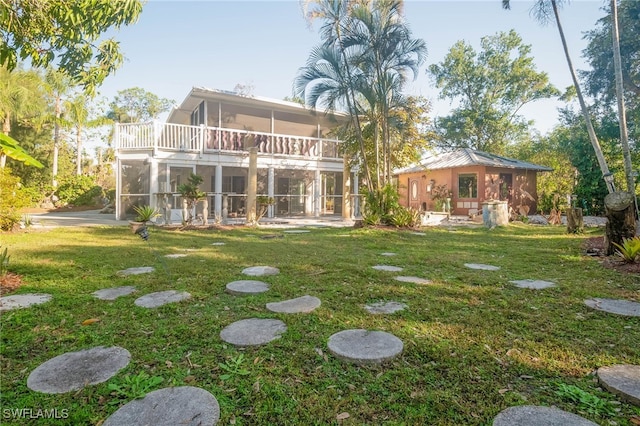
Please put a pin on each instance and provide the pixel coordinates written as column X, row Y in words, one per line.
column 184, row 405
column 175, row 256
column 18, row 301
column 622, row 380
column 532, row 415
column 388, row 254
column 217, row 244
column 136, row 271
column 385, row 307
column 245, row 287
column 418, row 233
column 415, row 280
column 258, row 271
column 153, row 300
column 364, row 347
column 387, row 268
column 615, row 306
column 253, row 331
column 296, row 231
column 113, row 293
column 481, row 266
column 533, row 284
column 75, row 370
column 302, row 304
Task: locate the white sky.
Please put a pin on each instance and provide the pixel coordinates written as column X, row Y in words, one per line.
column 217, row 44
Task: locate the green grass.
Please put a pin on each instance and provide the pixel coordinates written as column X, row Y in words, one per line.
column 473, row 343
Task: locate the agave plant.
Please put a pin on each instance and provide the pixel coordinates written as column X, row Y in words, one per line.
column 145, row 213
column 629, row 250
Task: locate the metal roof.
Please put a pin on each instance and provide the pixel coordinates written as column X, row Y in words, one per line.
column 468, row 157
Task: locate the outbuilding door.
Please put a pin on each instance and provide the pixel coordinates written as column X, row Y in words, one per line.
column 414, row 194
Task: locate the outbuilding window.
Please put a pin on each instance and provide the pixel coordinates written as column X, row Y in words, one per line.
column 468, row 185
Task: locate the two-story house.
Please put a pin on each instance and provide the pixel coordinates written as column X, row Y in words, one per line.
column 299, row 164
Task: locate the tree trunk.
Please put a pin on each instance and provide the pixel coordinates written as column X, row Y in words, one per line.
column 621, row 220
column 575, row 224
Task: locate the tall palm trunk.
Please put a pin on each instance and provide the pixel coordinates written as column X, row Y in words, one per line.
column 583, row 106
column 56, row 142
column 79, row 148
column 624, row 137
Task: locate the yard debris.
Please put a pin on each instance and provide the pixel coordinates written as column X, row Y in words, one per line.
column 343, row 416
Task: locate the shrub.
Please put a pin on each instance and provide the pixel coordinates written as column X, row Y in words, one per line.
column 12, row 199
column 405, row 218
column 629, row 250
column 79, row 191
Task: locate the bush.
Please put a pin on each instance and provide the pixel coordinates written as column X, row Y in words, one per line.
column 405, row 218
column 79, row 191
column 12, row 199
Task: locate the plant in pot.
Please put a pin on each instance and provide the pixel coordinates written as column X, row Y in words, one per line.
column 144, row 214
column 191, row 194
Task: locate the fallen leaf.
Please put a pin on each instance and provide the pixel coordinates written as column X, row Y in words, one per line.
column 90, row 321
column 168, row 363
column 256, row 386
column 635, row 420
column 232, row 420
column 503, row 391
column 190, row 379
column 512, row 352
column 343, row 416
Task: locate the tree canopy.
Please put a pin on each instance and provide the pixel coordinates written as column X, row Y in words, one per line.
column 136, row 104
column 67, row 33
column 490, row 87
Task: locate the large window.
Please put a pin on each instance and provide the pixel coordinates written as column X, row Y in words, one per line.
column 468, row 185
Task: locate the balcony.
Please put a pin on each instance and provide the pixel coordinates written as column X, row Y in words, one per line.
column 201, row 139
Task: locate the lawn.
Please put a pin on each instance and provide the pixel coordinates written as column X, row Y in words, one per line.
column 474, row 344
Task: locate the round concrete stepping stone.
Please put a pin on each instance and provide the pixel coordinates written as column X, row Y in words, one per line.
column 184, row 405
column 175, row 256
column 615, row 306
column 18, row 301
column 253, row 331
column 481, row 266
column 364, row 347
column 258, row 271
column 302, row 304
column 388, row 253
column 385, row 307
column 113, row 293
column 75, row 370
column 387, row 268
column 136, row 271
column 414, row 280
column 418, row 233
column 217, row 243
column 532, row 415
column 153, row 300
column 296, row 231
column 533, row 284
column 245, row 287
column 622, row 380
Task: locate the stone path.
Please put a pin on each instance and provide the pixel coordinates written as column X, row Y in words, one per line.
column 385, row 307
column 184, row 405
column 75, row 370
column 532, row 415
column 615, row 306
column 136, row 271
column 19, row 301
column 258, row 271
column 387, row 268
column 304, row 304
column 622, row 380
column 246, row 287
column 296, row 231
column 533, row 284
column 414, row 280
column 364, row 347
column 481, row 266
column 153, row 300
column 388, row 253
column 253, row 331
column 218, row 243
column 175, row 255
column 113, row 293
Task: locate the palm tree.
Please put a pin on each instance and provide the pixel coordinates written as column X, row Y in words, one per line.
column 624, row 137
column 57, row 85
column 542, row 11
column 77, row 117
column 18, row 98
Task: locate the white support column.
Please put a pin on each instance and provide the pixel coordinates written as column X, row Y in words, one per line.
column 271, row 179
column 157, row 130
column 356, row 193
column 153, row 183
column 346, row 191
column 317, row 193
column 118, row 186
column 217, row 198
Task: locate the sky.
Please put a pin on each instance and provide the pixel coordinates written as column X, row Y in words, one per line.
column 177, row 45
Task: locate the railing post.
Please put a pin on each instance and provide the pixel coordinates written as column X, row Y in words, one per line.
column 202, row 137
column 156, row 136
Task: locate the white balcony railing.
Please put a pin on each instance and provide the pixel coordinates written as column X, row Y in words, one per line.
column 201, row 139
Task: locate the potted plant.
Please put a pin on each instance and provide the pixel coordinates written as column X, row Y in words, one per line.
column 144, row 214
column 191, row 194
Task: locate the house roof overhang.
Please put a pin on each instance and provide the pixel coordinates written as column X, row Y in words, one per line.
column 465, row 157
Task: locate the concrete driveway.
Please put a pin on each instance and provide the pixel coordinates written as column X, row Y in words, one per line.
column 74, row 218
